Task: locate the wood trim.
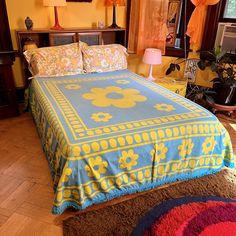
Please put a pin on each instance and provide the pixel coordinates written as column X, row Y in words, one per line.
column 5, row 36
column 211, row 25
column 66, row 30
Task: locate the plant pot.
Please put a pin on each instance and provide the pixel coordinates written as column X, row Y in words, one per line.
column 225, row 94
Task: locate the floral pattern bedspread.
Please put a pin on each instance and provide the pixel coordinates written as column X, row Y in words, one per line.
column 110, row 134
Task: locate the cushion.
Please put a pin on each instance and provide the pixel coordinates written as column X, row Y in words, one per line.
column 55, row 61
column 102, row 58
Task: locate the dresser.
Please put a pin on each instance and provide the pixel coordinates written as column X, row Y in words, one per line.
column 8, row 103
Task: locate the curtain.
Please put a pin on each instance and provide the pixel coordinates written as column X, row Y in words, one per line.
column 196, row 23
column 148, row 25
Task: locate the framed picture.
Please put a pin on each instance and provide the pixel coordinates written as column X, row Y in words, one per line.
column 172, row 22
column 79, row 0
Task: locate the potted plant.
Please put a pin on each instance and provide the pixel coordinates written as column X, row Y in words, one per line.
column 224, row 84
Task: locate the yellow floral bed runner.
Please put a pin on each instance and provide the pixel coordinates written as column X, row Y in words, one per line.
column 111, row 134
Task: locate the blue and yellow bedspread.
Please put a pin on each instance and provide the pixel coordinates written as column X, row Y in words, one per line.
column 111, row 134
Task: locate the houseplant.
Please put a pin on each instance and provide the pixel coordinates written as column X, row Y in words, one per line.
column 224, row 84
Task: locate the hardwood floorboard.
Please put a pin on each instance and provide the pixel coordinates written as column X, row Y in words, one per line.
column 26, row 187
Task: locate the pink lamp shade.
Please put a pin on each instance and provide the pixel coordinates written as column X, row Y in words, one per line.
column 152, row 56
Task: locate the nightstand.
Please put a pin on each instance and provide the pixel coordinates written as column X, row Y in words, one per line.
column 173, row 84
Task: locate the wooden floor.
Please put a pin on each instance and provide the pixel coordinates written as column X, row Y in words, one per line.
column 25, row 182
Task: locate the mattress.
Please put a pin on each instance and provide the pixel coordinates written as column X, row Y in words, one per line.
column 110, row 134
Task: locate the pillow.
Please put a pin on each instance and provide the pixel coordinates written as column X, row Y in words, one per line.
column 55, row 61
column 102, row 58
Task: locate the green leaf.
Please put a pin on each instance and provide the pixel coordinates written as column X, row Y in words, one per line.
column 169, row 70
column 177, row 67
column 172, row 66
column 210, row 99
column 201, row 64
column 213, row 66
column 229, row 71
column 221, row 54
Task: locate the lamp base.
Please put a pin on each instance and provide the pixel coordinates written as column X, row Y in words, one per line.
column 57, row 27
column 150, row 78
column 114, row 26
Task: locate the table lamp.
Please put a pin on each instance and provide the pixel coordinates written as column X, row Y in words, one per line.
column 114, row 4
column 152, row 56
column 55, row 4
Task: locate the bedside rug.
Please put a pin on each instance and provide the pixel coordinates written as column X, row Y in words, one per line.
column 203, row 215
column 123, row 218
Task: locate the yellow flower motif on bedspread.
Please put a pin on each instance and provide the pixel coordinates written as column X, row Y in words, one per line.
column 114, row 96
column 72, row 86
column 128, row 159
column 208, row 145
column 164, row 107
column 101, row 117
column 66, row 174
column 121, row 81
column 226, row 140
column 159, row 152
column 96, row 167
column 186, row 147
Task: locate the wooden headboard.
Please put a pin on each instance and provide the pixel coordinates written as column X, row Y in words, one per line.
column 46, row 37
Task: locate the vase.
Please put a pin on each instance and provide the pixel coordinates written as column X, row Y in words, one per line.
column 28, row 23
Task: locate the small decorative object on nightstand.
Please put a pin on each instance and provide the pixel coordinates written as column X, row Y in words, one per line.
column 28, row 23
column 152, row 56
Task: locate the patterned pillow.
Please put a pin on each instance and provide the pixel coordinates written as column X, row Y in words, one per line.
column 102, row 58
column 55, row 61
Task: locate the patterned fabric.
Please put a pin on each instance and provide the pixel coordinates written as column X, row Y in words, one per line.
column 56, row 61
column 103, row 58
column 198, row 215
column 111, row 134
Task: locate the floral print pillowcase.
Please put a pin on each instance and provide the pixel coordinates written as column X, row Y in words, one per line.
column 56, row 61
column 103, row 58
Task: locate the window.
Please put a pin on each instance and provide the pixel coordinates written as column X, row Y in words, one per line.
column 230, row 9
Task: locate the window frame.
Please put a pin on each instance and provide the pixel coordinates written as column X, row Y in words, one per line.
column 222, row 18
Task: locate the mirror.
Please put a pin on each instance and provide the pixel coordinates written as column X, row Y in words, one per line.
column 172, row 22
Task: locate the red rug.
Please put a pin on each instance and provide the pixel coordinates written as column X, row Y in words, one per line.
column 190, row 216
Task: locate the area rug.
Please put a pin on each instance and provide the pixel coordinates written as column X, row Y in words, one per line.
column 124, row 217
column 202, row 215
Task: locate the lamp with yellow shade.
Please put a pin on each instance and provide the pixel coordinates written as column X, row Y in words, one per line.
column 55, row 4
column 114, row 4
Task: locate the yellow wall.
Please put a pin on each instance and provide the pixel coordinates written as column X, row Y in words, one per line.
column 75, row 14
column 136, row 65
column 82, row 15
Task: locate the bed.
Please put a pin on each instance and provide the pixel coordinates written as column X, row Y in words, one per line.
column 110, row 134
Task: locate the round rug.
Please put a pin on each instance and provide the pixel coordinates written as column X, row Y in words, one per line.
column 191, row 216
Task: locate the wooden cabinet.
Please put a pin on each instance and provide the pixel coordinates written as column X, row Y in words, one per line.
column 8, row 103
column 46, row 37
